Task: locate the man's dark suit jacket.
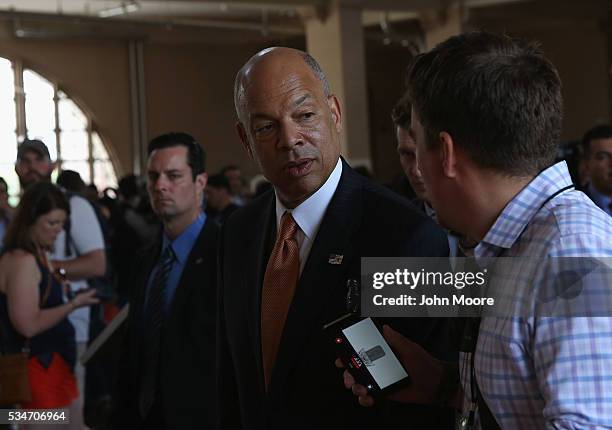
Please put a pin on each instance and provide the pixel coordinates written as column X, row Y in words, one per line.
column 306, row 390
column 188, row 343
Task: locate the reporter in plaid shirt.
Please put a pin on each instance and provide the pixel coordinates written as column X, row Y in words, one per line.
column 487, row 113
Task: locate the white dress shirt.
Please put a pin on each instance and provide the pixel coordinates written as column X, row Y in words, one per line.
column 309, row 214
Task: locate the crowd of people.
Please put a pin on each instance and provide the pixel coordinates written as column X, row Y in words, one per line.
column 228, row 290
column 84, row 266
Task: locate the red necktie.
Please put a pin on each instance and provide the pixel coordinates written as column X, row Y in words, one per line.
column 280, row 280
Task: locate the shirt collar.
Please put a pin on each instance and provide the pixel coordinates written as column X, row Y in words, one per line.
column 182, row 245
column 309, row 214
column 519, row 212
column 599, row 199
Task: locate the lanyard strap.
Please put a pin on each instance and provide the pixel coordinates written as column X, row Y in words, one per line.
column 555, row 194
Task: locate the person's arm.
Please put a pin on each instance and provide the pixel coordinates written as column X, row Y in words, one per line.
column 84, row 266
column 572, row 356
column 86, row 236
column 573, row 368
column 23, row 299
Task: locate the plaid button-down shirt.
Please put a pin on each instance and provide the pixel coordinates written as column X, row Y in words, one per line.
column 547, row 372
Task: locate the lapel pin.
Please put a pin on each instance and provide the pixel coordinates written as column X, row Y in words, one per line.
column 199, row 260
column 335, row 259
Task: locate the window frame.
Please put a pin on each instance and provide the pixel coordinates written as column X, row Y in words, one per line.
column 20, row 66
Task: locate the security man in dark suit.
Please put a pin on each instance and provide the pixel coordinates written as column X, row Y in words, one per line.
column 167, row 370
column 286, row 259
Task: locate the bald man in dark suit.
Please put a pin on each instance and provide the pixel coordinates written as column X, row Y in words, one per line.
column 287, row 257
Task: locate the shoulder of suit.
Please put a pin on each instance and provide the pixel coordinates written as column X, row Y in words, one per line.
column 208, row 237
column 385, row 201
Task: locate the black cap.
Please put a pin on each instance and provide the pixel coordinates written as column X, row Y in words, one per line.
column 33, row 145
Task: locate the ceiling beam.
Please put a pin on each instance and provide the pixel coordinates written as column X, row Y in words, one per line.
column 90, row 26
column 376, row 5
column 247, row 4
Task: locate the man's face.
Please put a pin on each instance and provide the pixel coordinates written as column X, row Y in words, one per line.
column 33, row 167
column 47, row 227
column 215, row 197
column 440, row 194
column 290, row 127
column 171, row 187
column 234, row 177
column 599, row 165
column 406, row 149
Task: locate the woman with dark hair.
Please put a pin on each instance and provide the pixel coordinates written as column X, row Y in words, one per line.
column 33, row 311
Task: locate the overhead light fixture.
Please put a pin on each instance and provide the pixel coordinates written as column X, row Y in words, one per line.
column 124, row 9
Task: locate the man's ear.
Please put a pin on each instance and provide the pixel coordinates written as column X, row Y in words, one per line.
column 244, row 138
column 448, row 153
column 201, row 180
column 336, row 112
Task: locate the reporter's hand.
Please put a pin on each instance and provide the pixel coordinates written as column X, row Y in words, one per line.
column 425, row 373
column 86, row 298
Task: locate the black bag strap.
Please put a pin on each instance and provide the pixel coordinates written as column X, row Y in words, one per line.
column 68, row 228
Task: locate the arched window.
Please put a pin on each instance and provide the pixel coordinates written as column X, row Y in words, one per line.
column 32, row 106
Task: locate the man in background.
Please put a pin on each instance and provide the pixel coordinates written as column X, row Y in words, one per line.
column 597, row 159
column 236, row 182
column 219, row 205
column 166, row 375
column 406, row 150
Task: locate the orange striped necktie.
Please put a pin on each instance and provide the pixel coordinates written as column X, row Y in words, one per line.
column 280, row 280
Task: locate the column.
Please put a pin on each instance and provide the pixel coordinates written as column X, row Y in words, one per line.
column 336, row 42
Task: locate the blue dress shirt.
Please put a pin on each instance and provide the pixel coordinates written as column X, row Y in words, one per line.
column 181, row 247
